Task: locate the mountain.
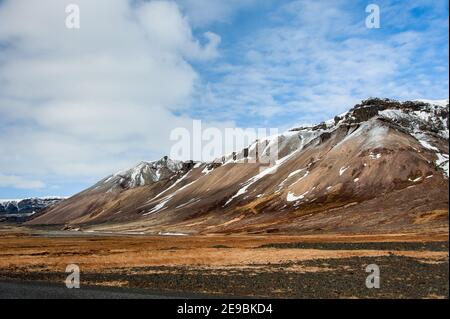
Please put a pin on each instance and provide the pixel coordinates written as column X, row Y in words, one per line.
column 24, row 208
column 380, row 167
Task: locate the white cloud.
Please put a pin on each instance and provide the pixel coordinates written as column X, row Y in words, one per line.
column 165, row 26
column 19, row 182
column 84, row 102
column 315, row 59
column 78, row 104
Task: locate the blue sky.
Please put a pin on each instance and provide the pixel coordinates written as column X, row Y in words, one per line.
column 77, row 105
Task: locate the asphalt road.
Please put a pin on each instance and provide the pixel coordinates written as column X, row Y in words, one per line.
column 38, row 290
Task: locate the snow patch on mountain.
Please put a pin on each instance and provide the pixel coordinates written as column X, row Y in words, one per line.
column 292, row 198
column 442, row 162
column 424, row 122
column 342, row 170
column 267, row 171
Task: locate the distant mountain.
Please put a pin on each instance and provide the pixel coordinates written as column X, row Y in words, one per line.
column 380, row 167
column 21, row 208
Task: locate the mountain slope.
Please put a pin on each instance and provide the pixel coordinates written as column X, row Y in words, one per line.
column 382, row 166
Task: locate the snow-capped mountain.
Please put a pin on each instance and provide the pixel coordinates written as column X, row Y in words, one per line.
column 144, row 173
column 27, row 206
column 381, row 166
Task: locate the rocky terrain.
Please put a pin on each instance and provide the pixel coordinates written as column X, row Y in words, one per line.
column 311, row 266
column 380, row 167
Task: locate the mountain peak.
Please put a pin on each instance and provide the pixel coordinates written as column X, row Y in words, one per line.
column 145, row 173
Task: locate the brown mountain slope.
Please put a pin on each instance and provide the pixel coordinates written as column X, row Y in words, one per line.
column 379, row 168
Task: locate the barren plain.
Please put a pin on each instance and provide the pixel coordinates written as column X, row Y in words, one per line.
column 412, row 265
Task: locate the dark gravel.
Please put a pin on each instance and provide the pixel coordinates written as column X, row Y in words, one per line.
column 395, row 246
column 401, row 277
column 40, row 290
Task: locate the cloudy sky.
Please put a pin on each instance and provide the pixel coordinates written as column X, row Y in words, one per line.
column 79, row 104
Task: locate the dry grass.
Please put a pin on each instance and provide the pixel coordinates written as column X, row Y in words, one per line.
column 431, row 216
column 100, row 253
